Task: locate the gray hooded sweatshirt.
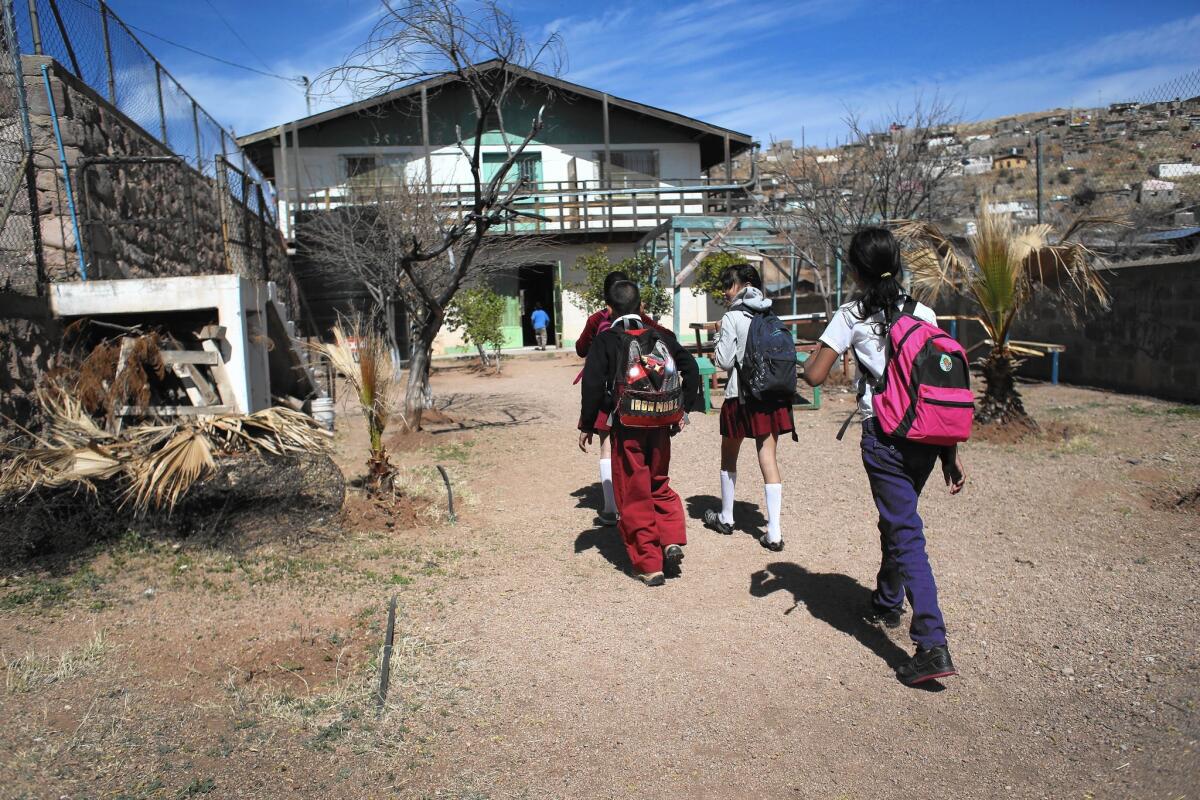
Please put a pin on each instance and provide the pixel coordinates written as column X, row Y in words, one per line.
column 735, row 327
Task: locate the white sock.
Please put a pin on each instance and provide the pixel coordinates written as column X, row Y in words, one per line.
column 610, row 503
column 774, row 492
column 728, row 483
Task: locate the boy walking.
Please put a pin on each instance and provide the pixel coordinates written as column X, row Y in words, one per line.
column 647, row 383
column 540, row 319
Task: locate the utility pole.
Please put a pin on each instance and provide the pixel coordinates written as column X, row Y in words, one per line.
column 1038, row 146
column 307, row 94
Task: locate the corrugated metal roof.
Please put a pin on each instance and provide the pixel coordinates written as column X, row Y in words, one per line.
column 1166, row 236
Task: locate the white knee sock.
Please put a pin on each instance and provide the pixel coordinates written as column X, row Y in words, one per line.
column 774, row 492
column 728, row 483
column 610, row 504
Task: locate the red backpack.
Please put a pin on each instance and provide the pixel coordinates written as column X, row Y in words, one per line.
column 647, row 385
column 925, row 392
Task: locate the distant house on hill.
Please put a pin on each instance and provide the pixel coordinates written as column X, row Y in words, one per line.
column 1178, row 169
column 1156, row 192
column 603, row 170
column 1013, row 159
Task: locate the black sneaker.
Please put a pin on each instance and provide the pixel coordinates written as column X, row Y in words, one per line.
column 651, row 578
column 712, row 519
column 774, row 547
column 888, row 617
column 672, row 558
column 608, row 518
column 927, row 665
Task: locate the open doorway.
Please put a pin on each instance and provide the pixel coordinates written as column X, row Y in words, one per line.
column 535, row 284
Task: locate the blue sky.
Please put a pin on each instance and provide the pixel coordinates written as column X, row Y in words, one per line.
column 766, row 67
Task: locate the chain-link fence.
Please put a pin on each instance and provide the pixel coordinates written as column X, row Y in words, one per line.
column 94, row 44
column 18, row 263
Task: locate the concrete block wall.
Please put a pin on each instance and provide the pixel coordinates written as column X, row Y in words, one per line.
column 1147, row 343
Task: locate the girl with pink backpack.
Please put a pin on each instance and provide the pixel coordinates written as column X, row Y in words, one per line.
column 915, row 407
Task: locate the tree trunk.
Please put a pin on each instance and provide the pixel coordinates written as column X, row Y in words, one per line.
column 393, row 336
column 1001, row 402
column 483, row 359
column 414, row 392
column 418, row 395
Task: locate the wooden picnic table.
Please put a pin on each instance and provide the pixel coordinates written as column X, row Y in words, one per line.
column 1021, row 347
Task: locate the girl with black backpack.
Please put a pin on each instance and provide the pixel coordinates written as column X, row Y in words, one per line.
column 742, row 416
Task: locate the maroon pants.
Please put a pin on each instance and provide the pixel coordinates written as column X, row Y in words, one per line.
column 651, row 512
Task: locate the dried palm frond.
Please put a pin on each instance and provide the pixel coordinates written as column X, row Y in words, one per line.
column 934, row 263
column 162, row 477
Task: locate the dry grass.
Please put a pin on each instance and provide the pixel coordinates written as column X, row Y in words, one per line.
column 34, row 671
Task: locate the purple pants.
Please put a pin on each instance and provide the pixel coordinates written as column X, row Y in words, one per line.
column 897, row 470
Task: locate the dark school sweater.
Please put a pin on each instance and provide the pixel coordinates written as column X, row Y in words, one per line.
column 596, row 388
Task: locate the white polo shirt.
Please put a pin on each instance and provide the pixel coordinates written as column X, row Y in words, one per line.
column 847, row 330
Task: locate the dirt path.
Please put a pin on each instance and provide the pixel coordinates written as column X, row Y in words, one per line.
column 1071, row 602
column 529, row 665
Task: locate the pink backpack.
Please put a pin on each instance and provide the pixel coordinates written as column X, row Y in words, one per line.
column 925, row 393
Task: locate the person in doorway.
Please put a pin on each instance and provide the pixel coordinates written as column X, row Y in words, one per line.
column 897, row 468
column 745, row 417
column 597, row 323
column 652, row 521
column 540, row 320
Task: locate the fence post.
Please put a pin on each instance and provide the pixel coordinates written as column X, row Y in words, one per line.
column 162, row 114
column 36, row 27
column 199, row 146
column 112, row 82
column 221, row 187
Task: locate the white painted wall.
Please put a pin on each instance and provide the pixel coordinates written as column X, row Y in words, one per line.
column 323, row 168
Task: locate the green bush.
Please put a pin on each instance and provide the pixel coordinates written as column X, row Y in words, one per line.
column 642, row 270
column 708, row 275
column 479, row 314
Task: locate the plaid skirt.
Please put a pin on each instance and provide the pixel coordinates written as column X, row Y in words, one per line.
column 754, row 418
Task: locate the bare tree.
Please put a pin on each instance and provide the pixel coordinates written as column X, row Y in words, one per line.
column 421, row 245
column 898, row 168
column 369, row 242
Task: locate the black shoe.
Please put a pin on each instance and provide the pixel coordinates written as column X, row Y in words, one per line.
column 888, row 617
column 712, row 519
column 672, row 558
column 608, row 518
column 651, row 578
column 927, row 665
column 774, row 547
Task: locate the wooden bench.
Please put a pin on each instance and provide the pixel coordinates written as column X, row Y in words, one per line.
column 1024, row 348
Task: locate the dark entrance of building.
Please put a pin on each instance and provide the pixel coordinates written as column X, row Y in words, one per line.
column 535, row 284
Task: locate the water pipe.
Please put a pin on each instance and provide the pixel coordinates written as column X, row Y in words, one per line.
column 62, row 159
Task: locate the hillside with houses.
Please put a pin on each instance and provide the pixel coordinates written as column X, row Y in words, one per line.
column 1139, row 162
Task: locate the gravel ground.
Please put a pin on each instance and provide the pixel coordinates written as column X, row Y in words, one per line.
column 1068, row 585
column 530, row 665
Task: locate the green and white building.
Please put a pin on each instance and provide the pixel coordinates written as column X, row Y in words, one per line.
column 607, row 171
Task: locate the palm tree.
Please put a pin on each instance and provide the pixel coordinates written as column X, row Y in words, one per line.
column 363, row 356
column 1001, row 269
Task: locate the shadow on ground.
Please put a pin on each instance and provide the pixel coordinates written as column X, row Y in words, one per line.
column 604, row 540
column 747, row 517
column 835, row 599
column 468, row 412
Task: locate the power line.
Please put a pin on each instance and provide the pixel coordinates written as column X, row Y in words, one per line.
column 237, row 35
column 292, row 80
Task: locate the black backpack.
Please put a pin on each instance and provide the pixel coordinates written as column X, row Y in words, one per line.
column 648, row 390
column 768, row 368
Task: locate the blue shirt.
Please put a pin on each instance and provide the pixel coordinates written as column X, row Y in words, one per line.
column 540, row 319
